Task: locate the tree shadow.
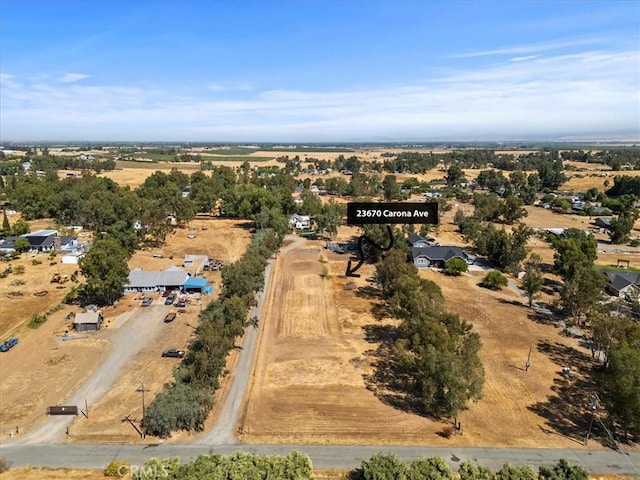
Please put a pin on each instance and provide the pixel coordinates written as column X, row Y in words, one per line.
column 567, row 411
column 388, row 382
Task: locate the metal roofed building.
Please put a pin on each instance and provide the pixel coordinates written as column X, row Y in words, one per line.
column 154, row 280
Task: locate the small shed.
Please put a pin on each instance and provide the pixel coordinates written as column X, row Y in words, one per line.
column 197, row 284
column 88, row 321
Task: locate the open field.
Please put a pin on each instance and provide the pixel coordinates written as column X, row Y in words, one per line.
column 319, row 345
column 315, row 378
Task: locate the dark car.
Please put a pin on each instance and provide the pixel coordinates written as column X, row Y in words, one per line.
column 181, row 304
column 172, row 352
column 147, row 301
column 166, row 293
column 170, row 318
column 170, row 299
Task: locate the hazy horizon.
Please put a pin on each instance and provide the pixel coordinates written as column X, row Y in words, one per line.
column 319, row 72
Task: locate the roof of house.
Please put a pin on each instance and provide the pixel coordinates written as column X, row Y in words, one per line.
column 154, row 278
column 620, row 280
column 603, row 221
column 415, row 238
column 196, row 282
column 41, row 233
column 8, row 242
column 438, row 253
column 299, row 218
column 66, row 239
column 88, row 317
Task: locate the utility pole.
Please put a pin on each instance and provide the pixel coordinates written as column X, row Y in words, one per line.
column 594, row 403
column 528, row 364
column 142, row 390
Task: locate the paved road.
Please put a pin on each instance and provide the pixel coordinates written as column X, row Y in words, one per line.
column 127, row 341
column 224, row 430
column 323, row 457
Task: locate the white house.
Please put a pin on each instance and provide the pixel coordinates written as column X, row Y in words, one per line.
column 299, row 221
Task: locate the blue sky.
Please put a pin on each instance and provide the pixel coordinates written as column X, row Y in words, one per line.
column 318, row 71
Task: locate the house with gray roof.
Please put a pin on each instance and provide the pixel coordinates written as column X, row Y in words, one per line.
column 173, row 278
column 436, row 256
column 621, row 283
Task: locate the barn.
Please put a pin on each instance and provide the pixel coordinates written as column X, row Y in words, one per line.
column 88, row 321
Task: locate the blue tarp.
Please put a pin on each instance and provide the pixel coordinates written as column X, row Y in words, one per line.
column 195, row 283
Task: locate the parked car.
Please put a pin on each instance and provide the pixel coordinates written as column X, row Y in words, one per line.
column 170, row 299
column 181, row 304
column 170, row 317
column 8, row 344
column 147, row 301
column 166, row 293
column 174, row 353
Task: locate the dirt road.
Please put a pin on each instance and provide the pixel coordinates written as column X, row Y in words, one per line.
column 224, row 430
column 127, row 340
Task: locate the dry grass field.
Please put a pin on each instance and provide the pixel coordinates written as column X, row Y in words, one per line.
column 315, row 373
column 323, row 338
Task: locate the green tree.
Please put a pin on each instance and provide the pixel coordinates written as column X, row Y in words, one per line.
column 20, row 227
column 6, row 226
column 311, row 203
column 513, row 210
column 487, row 207
column 106, row 271
column 563, row 470
column 455, row 175
column 21, row 245
column 439, row 353
column 622, row 387
column 582, row 293
column 532, row 282
column 433, row 468
column 391, row 188
column 511, row 472
column 383, row 467
column 622, row 225
column 456, row 266
column 494, row 280
column 472, row 471
column 576, row 250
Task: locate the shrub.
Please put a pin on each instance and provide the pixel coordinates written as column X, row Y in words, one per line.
column 36, row 321
column 494, row 280
column 117, row 468
column 456, row 266
column 472, row 471
column 35, row 261
column 4, row 465
column 19, row 270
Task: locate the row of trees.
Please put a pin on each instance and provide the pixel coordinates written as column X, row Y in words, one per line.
column 186, row 404
column 435, row 354
column 297, row 466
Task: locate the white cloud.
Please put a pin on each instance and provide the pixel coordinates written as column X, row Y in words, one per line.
column 217, row 87
column 532, row 48
column 73, row 77
column 561, row 95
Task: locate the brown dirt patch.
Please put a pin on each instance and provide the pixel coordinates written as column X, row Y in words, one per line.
column 222, row 239
column 36, row 473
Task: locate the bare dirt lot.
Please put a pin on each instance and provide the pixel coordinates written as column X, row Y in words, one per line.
column 43, row 370
column 222, row 239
